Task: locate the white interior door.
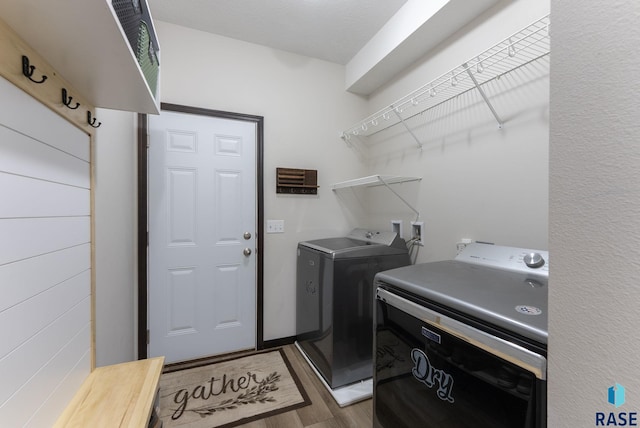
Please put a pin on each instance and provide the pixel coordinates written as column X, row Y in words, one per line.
column 202, row 223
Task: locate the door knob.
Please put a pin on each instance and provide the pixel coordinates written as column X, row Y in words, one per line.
column 247, row 235
column 247, row 252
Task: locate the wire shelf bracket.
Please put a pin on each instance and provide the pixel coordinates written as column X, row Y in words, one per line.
column 484, row 96
column 408, row 130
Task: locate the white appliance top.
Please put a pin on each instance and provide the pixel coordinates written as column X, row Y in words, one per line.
column 509, row 258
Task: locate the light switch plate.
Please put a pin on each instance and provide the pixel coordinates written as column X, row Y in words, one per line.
column 275, row 226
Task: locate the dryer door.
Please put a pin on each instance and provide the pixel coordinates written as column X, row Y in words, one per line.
column 426, row 376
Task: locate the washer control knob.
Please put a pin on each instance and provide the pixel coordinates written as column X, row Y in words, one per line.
column 533, row 260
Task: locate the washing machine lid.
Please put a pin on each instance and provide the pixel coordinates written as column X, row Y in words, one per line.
column 332, row 245
column 359, row 243
column 513, row 301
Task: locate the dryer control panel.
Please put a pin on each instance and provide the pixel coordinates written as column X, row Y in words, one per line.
column 509, row 258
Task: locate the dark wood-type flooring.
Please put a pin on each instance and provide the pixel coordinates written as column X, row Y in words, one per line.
column 323, row 412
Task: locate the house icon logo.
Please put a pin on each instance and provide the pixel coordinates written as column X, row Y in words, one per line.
column 616, row 395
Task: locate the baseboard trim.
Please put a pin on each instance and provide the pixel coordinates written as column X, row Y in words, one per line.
column 275, row 343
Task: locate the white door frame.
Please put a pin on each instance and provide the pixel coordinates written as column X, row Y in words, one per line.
column 143, row 218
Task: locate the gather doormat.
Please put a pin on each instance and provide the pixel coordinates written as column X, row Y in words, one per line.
column 230, row 392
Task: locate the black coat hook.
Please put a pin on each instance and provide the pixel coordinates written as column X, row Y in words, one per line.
column 66, row 100
column 28, row 69
column 91, row 121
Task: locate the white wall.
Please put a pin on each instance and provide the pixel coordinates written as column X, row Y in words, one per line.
column 115, row 237
column 478, row 181
column 304, row 107
column 594, row 209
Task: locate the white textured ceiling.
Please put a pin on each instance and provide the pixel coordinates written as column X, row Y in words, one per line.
column 332, row 30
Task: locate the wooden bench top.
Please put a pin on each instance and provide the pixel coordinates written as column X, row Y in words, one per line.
column 120, row 395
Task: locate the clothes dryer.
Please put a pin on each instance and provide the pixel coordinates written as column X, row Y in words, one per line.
column 463, row 343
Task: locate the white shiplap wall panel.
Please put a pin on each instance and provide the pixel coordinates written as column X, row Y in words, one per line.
column 31, row 118
column 52, row 200
column 24, row 156
column 49, row 306
column 22, row 280
column 59, row 397
column 45, row 260
column 31, row 237
column 25, row 402
column 18, row 367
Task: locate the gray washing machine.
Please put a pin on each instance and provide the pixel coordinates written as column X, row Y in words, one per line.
column 335, row 295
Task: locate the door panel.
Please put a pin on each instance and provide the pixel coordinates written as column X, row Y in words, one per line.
column 202, row 198
column 182, row 304
column 182, row 206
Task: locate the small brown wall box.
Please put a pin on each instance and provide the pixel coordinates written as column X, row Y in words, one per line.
column 297, row 181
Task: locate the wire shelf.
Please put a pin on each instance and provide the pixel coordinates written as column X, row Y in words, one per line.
column 374, row 180
column 527, row 45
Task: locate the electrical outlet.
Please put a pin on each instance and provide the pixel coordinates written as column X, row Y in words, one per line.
column 417, row 233
column 275, row 226
column 396, row 227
